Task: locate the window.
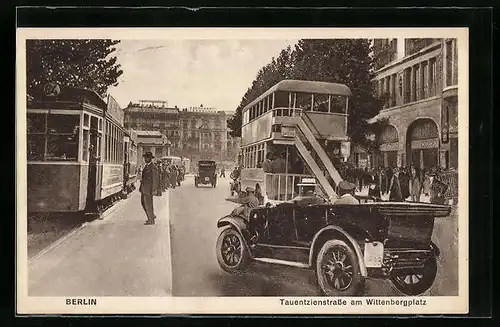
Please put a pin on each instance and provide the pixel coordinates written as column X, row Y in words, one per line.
column 36, row 147
column 281, row 99
column 451, row 63
column 85, row 142
column 418, row 84
column 338, row 103
column 407, row 85
column 303, row 101
column 321, row 102
column 432, row 77
column 86, row 120
column 425, row 79
column 62, row 137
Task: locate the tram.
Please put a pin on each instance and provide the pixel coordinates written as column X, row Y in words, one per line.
column 76, row 147
column 130, row 168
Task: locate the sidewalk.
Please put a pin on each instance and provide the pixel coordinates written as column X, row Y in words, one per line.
column 116, row 256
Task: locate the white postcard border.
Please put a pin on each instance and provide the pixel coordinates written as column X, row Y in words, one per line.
column 237, row 305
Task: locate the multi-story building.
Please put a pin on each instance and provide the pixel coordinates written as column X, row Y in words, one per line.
column 419, row 80
column 195, row 132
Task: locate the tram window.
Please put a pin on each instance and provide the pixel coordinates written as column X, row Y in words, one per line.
column 94, row 123
column 320, row 103
column 303, row 101
column 281, row 99
column 338, row 103
column 36, row 122
column 62, row 141
column 62, row 147
column 85, row 152
column 36, row 147
column 63, row 124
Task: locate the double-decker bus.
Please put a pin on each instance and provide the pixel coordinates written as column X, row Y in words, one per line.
column 302, row 126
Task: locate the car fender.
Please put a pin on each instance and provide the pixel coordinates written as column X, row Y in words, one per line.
column 240, row 224
column 349, row 238
column 435, row 249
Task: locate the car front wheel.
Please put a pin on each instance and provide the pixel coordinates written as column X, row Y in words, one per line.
column 337, row 269
column 232, row 254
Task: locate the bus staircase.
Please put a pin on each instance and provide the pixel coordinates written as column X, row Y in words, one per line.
column 318, row 154
column 302, row 145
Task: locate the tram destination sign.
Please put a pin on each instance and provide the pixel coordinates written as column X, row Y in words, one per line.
column 115, row 110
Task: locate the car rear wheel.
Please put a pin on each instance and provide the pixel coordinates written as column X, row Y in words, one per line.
column 337, row 269
column 418, row 281
column 232, row 254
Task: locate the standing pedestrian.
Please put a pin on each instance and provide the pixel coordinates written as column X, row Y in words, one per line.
column 222, row 172
column 149, row 187
column 404, row 180
column 395, row 187
column 173, row 176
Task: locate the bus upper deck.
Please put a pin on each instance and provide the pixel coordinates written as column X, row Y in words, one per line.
column 324, row 105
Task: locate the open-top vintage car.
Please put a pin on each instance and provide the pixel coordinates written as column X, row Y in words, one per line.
column 343, row 243
column 206, row 174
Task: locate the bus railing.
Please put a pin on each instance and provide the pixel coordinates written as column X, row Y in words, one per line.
column 288, row 112
column 283, row 186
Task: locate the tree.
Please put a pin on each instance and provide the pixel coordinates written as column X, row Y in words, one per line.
column 79, row 63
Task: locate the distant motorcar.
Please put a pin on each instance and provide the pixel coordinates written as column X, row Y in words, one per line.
column 206, row 174
column 344, row 244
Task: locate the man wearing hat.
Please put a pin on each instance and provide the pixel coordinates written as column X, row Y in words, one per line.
column 248, row 202
column 345, row 191
column 149, row 187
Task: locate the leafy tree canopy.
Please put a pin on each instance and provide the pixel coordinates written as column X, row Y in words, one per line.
column 87, row 64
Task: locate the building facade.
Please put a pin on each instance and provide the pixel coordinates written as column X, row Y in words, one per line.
column 419, row 80
column 195, row 132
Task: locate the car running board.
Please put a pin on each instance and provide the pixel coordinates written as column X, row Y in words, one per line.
column 282, row 262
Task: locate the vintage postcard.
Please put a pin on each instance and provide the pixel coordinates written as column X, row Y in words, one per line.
column 242, row 171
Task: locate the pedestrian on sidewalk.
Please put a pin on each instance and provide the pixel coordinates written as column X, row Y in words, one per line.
column 149, row 187
column 395, row 193
column 415, row 184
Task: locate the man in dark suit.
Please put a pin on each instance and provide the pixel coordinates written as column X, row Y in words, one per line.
column 149, row 187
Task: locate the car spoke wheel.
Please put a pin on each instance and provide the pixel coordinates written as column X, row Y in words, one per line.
column 416, row 281
column 231, row 251
column 337, row 269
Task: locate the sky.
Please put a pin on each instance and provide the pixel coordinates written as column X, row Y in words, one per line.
column 215, row 73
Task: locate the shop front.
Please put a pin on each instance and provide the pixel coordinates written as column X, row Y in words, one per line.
column 422, row 146
column 389, row 145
